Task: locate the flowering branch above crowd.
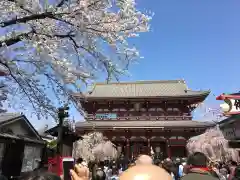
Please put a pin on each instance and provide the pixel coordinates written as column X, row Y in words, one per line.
column 51, row 50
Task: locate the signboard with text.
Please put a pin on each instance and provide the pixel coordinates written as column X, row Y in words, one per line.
column 106, row 116
column 231, row 128
column 231, row 105
column 229, row 133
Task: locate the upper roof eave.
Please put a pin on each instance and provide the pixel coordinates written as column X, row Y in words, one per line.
column 194, row 94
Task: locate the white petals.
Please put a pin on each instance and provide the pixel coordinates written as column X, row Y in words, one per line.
column 93, row 146
column 52, row 50
column 213, row 144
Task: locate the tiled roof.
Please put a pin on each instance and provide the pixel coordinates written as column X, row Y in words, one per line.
column 8, row 116
column 27, row 139
column 170, row 88
column 141, row 124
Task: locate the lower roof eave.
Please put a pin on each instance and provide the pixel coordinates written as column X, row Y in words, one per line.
column 130, row 127
column 25, row 139
column 103, row 124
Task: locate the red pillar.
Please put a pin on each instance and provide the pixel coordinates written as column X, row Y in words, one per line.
column 128, row 148
column 168, row 148
column 149, row 146
column 148, row 136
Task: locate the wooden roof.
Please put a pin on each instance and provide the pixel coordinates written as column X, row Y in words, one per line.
column 229, row 120
column 142, row 124
column 7, row 118
column 54, row 132
column 141, row 89
column 5, row 132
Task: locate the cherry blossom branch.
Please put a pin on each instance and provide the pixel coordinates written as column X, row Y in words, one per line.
column 21, row 6
column 93, row 55
column 55, row 33
column 33, row 98
column 16, row 39
column 20, row 85
column 10, row 42
column 61, row 3
column 31, row 18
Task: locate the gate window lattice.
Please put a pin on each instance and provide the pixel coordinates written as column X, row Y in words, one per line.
column 32, row 156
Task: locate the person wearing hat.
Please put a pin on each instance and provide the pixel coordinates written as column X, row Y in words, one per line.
column 198, row 169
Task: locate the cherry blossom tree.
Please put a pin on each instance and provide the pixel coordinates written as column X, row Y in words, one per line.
column 51, row 49
column 94, row 147
column 213, row 144
column 3, row 96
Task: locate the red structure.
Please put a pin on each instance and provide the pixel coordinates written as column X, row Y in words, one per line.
column 55, row 164
column 55, row 161
column 231, row 125
column 233, row 103
column 143, row 116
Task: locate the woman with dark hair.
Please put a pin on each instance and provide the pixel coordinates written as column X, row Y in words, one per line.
column 98, row 172
column 79, row 160
column 236, row 173
column 99, row 175
column 232, row 166
column 115, row 173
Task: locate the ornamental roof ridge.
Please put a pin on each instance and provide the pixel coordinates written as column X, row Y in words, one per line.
column 141, row 82
column 141, row 89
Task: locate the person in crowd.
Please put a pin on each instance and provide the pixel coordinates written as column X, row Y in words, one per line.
column 40, row 174
column 144, row 160
column 169, row 167
column 108, row 168
column 131, row 165
column 181, row 169
column 115, row 173
column 216, row 171
column 178, row 168
column 198, row 168
column 224, row 172
column 157, row 162
column 98, row 172
column 232, row 166
column 100, row 175
column 79, row 160
column 184, row 166
column 120, row 169
column 236, row 173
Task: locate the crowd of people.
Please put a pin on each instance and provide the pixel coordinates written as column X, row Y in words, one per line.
column 197, row 166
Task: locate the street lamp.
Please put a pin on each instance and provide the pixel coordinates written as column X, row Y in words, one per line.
column 62, row 114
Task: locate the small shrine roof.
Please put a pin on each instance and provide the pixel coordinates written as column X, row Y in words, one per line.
column 143, row 124
column 142, row 89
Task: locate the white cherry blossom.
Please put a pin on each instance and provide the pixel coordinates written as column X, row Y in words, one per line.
column 52, row 48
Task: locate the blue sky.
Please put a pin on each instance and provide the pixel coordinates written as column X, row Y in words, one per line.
column 198, row 41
